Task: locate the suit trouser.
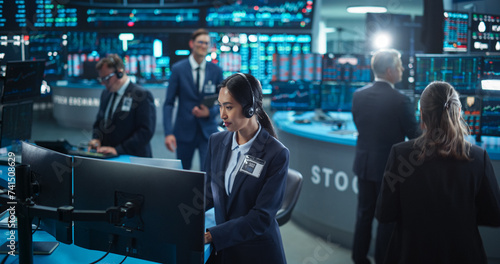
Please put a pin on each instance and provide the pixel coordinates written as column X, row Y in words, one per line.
column 368, row 192
column 185, row 151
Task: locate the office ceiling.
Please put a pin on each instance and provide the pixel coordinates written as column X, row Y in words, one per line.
column 335, row 10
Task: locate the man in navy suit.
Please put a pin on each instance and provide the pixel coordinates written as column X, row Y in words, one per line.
column 126, row 119
column 192, row 79
column 383, row 117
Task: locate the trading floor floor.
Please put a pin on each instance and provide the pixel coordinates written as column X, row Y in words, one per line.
column 301, row 247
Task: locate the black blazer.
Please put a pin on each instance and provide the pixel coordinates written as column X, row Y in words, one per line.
column 438, row 205
column 246, row 230
column 130, row 131
column 383, row 116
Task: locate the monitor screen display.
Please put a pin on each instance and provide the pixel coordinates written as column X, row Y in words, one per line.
column 268, row 57
column 24, row 15
column 295, row 96
column 337, row 97
column 16, row 123
column 23, row 80
column 455, row 26
column 485, row 33
column 262, row 14
column 471, row 113
column 490, row 81
column 462, row 72
column 347, row 68
column 490, row 116
column 141, row 18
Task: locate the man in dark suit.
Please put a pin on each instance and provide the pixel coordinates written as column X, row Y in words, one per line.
column 192, row 79
column 126, row 119
column 383, row 117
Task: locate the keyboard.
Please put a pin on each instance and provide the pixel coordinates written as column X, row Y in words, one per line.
column 90, row 154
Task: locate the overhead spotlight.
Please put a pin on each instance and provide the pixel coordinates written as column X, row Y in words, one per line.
column 366, row 9
column 381, row 40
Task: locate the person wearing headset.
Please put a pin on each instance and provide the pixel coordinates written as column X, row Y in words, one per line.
column 126, row 118
column 246, row 170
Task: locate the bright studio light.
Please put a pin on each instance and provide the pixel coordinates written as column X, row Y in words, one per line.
column 382, row 40
column 366, row 9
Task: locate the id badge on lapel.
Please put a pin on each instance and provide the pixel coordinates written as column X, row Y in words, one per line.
column 252, row 166
column 209, row 88
column 127, row 104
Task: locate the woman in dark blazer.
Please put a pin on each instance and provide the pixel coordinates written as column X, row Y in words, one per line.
column 246, row 170
column 438, row 188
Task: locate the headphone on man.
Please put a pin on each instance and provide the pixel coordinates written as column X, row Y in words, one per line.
column 248, row 110
column 119, row 74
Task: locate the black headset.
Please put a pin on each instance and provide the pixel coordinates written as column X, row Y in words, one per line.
column 248, row 110
column 119, row 74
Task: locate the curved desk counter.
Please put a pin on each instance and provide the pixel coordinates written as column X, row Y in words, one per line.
column 76, row 104
column 324, row 155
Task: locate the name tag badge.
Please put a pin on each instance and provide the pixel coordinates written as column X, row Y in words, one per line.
column 252, row 166
column 127, row 104
column 209, row 88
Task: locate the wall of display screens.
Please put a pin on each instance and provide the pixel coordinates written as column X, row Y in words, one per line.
column 269, row 57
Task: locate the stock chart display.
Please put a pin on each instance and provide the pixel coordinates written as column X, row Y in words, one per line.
column 337, row 97
column 269, row 57
column 455, row 28
column 463, row 72
column 351, row 68
column 485, row 32
column 18, row 15
column 120, row 18
column 294, row 96
column 490, row 116
column 255, row 13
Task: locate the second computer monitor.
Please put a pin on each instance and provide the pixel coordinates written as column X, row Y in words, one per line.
column 167, row 220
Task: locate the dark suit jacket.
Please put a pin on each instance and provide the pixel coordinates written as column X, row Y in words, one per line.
column 438, row 205
column 246, row 230
column 383, row 117
column 181, row 84
column 130, row 131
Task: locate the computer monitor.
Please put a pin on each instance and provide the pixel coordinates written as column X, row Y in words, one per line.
column 294, row 96
column 461, row 71
column 490, row 116
column 490, row 81
column 455, row 26
column 471, row 113
column 52, row 172
column 484, row 35
column 23, row 80
column 16, row 123
column 89, row 70
column 168, row 223
column 338, row 97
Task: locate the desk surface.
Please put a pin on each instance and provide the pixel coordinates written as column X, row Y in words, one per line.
column 68, row 254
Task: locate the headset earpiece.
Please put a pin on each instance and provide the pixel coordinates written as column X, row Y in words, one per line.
column 248, row 110
column 118, row 74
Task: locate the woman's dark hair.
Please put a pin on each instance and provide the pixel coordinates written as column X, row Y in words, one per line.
column 242, row 91
column 444, row 128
